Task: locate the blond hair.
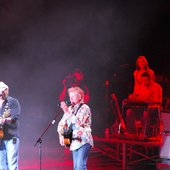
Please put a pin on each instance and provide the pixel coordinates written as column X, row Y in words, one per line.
column 77, row 90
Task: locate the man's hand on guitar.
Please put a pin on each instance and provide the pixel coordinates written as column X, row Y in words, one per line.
column 2, row 120
column 61, row 138
column 5, row 120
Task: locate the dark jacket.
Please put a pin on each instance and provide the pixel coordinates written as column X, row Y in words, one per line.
column 11, row 129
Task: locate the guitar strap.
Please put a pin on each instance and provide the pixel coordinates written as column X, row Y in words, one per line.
column 71, row 125
column 78, row 108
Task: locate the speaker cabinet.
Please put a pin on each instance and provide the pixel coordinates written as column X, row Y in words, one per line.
column 165, row 147
column 166, row 120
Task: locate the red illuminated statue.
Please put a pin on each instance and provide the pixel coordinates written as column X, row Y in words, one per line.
column 73, row 80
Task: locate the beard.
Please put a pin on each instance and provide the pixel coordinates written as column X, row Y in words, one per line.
column 3, row 95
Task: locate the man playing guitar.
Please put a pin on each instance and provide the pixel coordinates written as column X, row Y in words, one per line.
column 9, row 129
column 77, row 117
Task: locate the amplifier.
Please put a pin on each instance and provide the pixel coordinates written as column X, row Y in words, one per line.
column 165, row 147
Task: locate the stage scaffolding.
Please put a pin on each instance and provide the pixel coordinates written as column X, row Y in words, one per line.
column 128, row 151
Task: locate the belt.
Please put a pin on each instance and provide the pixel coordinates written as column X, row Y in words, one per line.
column 78, row 138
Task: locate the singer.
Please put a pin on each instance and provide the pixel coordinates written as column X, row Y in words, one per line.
column 77, row 117
column 9, row 129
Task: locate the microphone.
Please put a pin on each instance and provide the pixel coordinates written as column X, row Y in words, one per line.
column 68, row 103
column 124, row 65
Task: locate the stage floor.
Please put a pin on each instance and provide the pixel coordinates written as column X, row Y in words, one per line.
column 55, row 157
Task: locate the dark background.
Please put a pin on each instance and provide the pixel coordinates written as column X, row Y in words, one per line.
column 41, row 41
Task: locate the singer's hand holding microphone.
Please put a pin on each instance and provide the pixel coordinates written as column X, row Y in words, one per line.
column 64, row 106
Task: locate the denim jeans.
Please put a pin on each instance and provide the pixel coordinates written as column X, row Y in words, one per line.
column 80, row 157
column 9, row 154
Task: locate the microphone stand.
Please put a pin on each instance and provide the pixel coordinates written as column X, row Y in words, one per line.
column 39, row 141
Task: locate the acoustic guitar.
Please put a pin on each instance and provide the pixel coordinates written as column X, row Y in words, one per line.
column 68, row 131
column 120, row 121
column 6, row 114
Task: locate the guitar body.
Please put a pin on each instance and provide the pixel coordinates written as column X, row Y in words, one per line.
column 67, row 140
column 6, row 114
column 67, row 136
column 115, row 127
column 1, row 132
